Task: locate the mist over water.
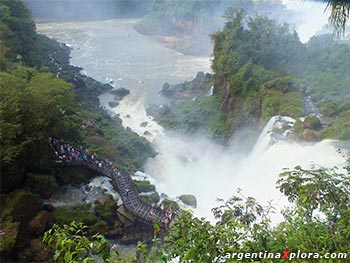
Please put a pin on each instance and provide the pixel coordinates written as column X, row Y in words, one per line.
column 310, row 18
column 113, row 52
column 207, row 170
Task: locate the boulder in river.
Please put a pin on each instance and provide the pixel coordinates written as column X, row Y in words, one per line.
column 120, row 93
column 113, row 104
column 146, row 133
column 144, row 124
column 167, row 89
column 312, row 122
column 309, row 135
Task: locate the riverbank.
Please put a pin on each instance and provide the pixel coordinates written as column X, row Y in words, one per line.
column 192, row 45
column 25, row 213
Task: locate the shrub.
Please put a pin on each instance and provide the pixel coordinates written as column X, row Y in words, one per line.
column 64, row 216
column 144, row 186
column 43, row 184
column 189, row 199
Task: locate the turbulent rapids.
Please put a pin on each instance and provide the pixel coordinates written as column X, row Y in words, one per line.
column 113, row 52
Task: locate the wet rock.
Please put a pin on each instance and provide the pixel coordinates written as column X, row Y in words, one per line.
column 36, row 252
column 167, row 90
column 106, row 87
column 146, row 133
column 120, row 93
column 8, row 235
column 312, row 122
column 113, row 104
column 38, row 224
column 21, row 206
column 48, row 207
column 117, row 230
column 101, row 201
column 131, row 238
column 309, row 135
column 144, row 124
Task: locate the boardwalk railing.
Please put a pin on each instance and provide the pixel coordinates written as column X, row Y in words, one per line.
column 70, row 156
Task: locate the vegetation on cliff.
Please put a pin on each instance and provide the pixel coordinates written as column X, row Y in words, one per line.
column 192, row 109
column 42, row 96
column 189, row 23
column 86, row 9
column 258, row 57
column 250, row 81
column 261, row 69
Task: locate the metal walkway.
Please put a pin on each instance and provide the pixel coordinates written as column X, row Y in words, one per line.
column 70, row 156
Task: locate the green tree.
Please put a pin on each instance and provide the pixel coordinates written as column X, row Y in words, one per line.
column 340, row 11
column 317, row 221
column 33, row 106
column 72, row 245
column 191, row 239
column 18, row 29
column 151, row 254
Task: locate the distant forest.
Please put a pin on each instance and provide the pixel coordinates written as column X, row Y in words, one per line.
column 86, row 9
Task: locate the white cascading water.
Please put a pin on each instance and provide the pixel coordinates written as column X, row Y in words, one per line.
column 72, row 196
column 198, row 166
column 267, row 138
column 112, row 51
column 210, row 91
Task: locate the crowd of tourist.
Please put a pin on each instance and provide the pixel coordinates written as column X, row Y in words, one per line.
column 64, row 152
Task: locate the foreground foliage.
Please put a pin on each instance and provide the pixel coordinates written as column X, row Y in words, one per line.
column 316, row 222
column 72, row 245
column 41, row 95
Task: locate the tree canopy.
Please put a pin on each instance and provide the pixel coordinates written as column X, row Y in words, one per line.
column 340, row 11
column 315, row 226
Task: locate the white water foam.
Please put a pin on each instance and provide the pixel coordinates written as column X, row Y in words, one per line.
column 72, row 196
column 198, row 166
column 184, row 164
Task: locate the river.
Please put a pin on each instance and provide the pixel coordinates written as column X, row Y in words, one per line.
column 113, row 52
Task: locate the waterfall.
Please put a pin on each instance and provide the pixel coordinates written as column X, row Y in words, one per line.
column 311, row 108
column 193, row 164
column 267, row 137
column 72, row 196
column 210, row 91
column 185, row 164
